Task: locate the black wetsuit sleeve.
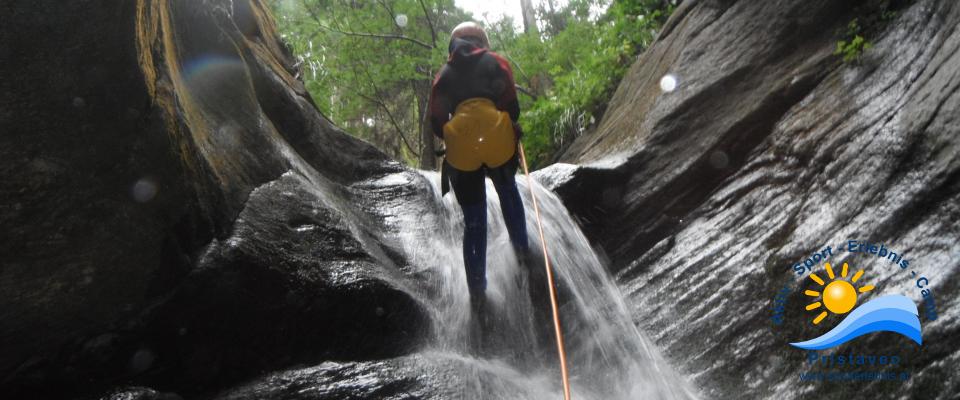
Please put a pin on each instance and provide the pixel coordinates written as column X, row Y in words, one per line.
column 439, row 104
column 513, row 108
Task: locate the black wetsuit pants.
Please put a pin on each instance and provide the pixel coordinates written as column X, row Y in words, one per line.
column 470, row 189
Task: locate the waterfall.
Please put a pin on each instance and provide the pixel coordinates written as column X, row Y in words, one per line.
column 608, row 358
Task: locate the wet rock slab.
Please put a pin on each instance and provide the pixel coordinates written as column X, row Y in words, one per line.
column 428, row 375
column 291, row 283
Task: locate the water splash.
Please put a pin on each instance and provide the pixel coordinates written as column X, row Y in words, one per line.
column 608, row 357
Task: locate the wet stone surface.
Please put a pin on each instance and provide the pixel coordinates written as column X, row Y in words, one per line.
column 768, row 150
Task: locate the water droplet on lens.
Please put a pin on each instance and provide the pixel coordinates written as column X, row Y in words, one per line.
column 132, row 113
column 668, row 83
column 719, row 159
column 144, row 190
column 142, row 360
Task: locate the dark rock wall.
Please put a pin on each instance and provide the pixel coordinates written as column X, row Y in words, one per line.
column 771, row 149
column 77, row 134
column 174, row 208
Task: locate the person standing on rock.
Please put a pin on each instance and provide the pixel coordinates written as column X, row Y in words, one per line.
column 474, row 109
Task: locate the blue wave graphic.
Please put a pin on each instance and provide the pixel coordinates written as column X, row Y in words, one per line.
column 893, row 313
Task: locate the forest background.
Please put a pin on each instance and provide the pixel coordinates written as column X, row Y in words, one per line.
column 369, row 64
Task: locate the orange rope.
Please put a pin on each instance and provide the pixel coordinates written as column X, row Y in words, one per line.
column 553, row 293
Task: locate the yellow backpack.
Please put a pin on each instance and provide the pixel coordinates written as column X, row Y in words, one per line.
column 479, row 134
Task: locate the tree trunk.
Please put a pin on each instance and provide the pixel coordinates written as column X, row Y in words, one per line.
column 529, row 17
column 428, row 160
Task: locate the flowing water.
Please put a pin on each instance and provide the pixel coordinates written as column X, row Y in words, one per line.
column 607, row 357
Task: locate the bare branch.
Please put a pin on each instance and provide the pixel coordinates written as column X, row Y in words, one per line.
column 519, row 68
column 503, row 52
column 378, row 36
column 393, row 16
column 433, row 31
column 393, row 121
column 525, row 91
column 320, row 23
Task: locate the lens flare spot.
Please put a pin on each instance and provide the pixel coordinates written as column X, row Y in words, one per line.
column 144, row 190
column 142, row 360
column 719, row 159
column 668, row 83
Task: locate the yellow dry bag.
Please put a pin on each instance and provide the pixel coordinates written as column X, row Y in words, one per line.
column 479, row 134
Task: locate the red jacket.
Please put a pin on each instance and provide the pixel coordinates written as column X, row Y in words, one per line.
column 471, row 72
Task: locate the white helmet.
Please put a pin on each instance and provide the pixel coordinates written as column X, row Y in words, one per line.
column 471, row 31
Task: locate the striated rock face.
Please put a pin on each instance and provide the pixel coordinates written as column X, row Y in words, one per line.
column 769, row 150
column 175, row 211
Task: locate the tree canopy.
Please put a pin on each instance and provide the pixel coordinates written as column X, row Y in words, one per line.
column 369, row 64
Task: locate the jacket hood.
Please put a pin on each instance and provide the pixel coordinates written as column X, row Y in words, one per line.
column 464, row 52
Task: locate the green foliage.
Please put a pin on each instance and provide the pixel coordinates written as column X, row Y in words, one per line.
column 872, row 16
column 366, row 70
column 372, row 76
column 853, row 46
column 575, row 71
column 888, row 15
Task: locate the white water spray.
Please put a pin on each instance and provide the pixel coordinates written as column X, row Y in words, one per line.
column 608, row 358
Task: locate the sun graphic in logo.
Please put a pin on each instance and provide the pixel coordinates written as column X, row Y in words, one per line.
column 839, row 296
